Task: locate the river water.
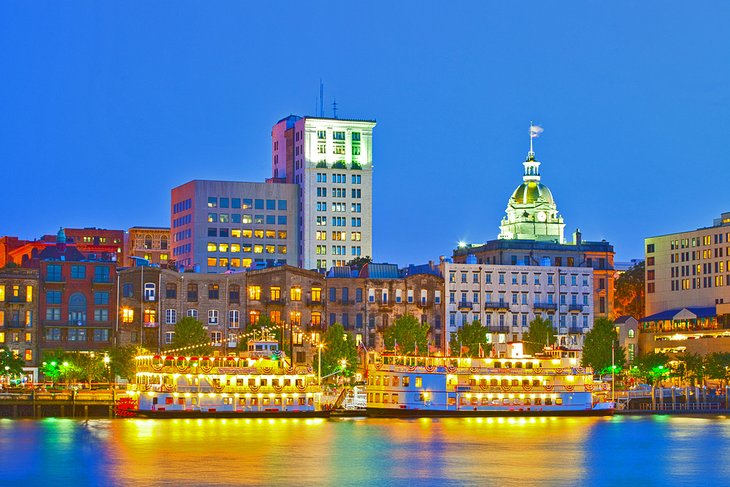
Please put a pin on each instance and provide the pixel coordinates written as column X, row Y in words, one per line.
column 659, row 450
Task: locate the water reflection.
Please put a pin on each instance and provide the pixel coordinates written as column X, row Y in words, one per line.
column 469, row 451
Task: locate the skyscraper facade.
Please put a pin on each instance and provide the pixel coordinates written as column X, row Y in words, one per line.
column 331, row 161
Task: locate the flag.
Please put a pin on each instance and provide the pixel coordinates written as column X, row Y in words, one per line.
column 535, row 130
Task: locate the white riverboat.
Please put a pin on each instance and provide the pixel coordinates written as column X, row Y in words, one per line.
column 259, row 382
column 549, row 384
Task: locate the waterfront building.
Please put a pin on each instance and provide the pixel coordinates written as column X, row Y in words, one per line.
column 19, row 289
column 98, row 243
column 293, row 299
column 369, row 300
column 627, row 328
column 149, row 243
column 506, row 298
column 227, row 225
column 532, row 234
column 688, row 291
column 330, row 160
column 152, row 300
column 76, row 297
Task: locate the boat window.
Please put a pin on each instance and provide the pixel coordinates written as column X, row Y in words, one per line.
column 252, row 382
column 377, row 397
column 274, row 382
column 528, row 401
column 505, row 401
column 181, row 401
column 505, row 382
column 239, row 382
column 516, row 402
column 494, row 382
column 385, row 399
column 419, row 382
column 515, row 382
column 227, row 400
column 194, row 400
column 483, row 382
column 559, row 401
column 462, row 401
column 518, row 365
column 538, row 401
column 528, row 365
column 277, row 401
column 310, row 401
column 472, row 382
column 498, row 365
column 452, row 401
column 242, row 401
column 266, row 401
column 301, row 401
column 254, row 401
column 508, row 365
column 548, row 401
column 535, row 382
column 406, row 381
column 289, row 401
column 485, row 401
column 495, row 402
column 474, row 401
column 386, row 380
column 525, row 382
column 264, row 382
column 169, row 400
column 394, row 398
column 396, row 380
column 377, row 380
column 287, row 382
column 299, row 382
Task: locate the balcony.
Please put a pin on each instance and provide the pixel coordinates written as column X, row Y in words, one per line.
column 548, row 306
column 575, row 330
column 576, row 308
column 496, row 305
column 499, row 329
column 423, row 303
column 275, row 301
column 314, row 302
column 465, row 305
column 347, row 301
column 16, row 324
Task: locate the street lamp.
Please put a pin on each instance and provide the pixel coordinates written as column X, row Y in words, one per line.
column 319, row 367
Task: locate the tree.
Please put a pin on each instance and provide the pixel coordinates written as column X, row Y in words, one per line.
column 694, row 368
column 358, row 262
column 540, row 334
column 11, row 365
column 629, row 294
column 652, row 368
column 473, row 336
column 55, row 366
column 406, row 336
column 339, row 352
column 121, row 361
column 597, row 351
column 717, row 366
column 85, row 367
column 190, row 335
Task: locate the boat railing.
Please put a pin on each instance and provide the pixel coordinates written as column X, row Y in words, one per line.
column 207, row 389
column 224, row 370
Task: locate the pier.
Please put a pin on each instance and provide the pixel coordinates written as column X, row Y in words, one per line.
column 61, row 404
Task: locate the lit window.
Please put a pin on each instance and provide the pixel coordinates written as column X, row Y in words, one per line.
column 127, row 315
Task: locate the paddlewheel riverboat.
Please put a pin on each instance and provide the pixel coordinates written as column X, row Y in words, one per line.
column 549, row 384
column 259, row 382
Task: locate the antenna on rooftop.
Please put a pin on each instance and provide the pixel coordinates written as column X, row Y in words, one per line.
column 334, row 108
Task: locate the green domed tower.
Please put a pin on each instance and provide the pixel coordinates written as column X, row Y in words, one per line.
column 531, row 211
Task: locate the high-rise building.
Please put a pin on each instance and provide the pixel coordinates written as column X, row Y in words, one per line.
column 331, row 162
column 222, row 225
column 688, row 291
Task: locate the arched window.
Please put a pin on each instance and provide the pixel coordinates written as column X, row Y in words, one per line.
column 77, row 309
column 149, row 291
column 631, row 333
column 163, row 243
column 148, row 242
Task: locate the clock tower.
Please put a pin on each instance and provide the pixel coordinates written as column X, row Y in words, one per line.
column 531, row 211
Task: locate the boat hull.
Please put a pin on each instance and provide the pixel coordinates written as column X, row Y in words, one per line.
column 231, row 414
column 463, row 413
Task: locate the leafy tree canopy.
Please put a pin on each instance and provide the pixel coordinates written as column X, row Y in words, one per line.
column 10, row 364
column 358, row 262
column 470, row 341
column 652, row 367
column 339, row 349
column 717, row 366
column 540, row 335
column 121, row 361
column 629, row 294
column 597, row 348
column 189, row 332
column 405, row 335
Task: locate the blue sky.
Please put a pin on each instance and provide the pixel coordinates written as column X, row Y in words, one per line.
column 105, row 106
